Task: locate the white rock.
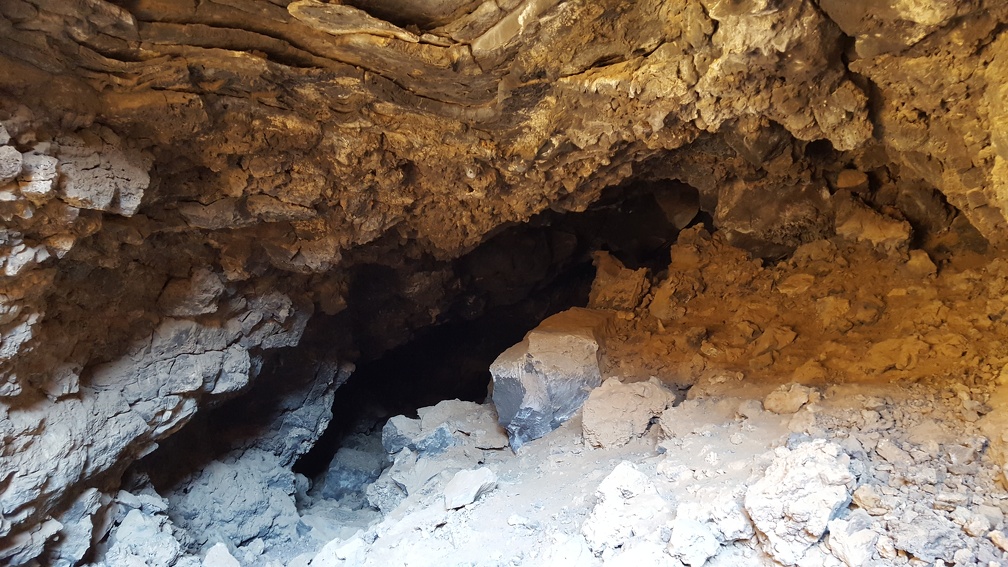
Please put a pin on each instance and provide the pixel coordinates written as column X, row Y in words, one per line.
column 466, row 486
column 628, row 505
column 800, row 492
column 692, row 541
column 641, row 553
column 788, row 398
column 219, row 556
column 851, row 540
column 615, row 412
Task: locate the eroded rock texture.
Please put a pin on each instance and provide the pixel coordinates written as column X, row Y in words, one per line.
column 182, row 184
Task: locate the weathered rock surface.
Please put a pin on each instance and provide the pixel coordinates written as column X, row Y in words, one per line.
column 540, row 382
column 250, row 156
column 800, row 492
column 466, row 486
column 628, row 505
column 615, row 413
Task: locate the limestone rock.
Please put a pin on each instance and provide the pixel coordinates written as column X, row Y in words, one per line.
column 540, row 382
column 628, row 506
column 615, row 413
column 466, row 486
column 800, row 492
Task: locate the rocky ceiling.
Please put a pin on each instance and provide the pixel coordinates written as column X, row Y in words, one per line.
column 184, row 182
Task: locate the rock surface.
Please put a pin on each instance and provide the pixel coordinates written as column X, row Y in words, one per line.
column 183, row 184
column 540, row 382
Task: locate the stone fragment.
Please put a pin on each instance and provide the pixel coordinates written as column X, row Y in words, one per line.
column 219, row 556
column 628, row 505
column 856, row 221
column 540, row 382
column 350, row 471
column 788, row 398
column 38, row 176
column 999, row 539
column 466, row 486
column 196, row 295
column 615, row 413
column 10, row 163
column 800, row 492
column 852, row 180
column 974, row 524
column 692, row 542
column 892, row 453
column 926, row 535
column 851, row 540
column 869, row 500
column 143, row 539
column 920, row 264
column 616, row 287
column 721, row 510
column 399, row 432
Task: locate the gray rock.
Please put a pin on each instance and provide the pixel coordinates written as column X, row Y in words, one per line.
column 926, row 536
column 351, row 471
column 540, row 382
column 219, row 556
column 615, row 413
column 399, row 432
column 466, row 486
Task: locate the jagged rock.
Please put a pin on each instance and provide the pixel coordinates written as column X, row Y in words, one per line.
column 851, row 540
column 466, row 486
column 616, row 287
column 615, row 413
column 628, row 506
column 143, row 539
column 236, row 499
column 540, row 382
column 856, row 221
column 692, row 541
column 351, row 470
column 788, row 398
column 926, row 535
column 10, row 163
column 800, row 492
column 219, row 556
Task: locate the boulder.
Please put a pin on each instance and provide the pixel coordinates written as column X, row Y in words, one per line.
column 800, row 492
column 615, row 412
column 628, row 506
column 466, row 486
column 542, row 381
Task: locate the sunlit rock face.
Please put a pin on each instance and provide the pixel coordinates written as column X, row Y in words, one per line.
column 184, row 184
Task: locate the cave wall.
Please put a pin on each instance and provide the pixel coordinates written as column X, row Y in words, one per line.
column 184, row 183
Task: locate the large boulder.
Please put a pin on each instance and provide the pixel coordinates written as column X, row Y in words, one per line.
column 542, row 381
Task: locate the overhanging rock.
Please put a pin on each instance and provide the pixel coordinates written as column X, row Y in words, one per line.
column 540, row 382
